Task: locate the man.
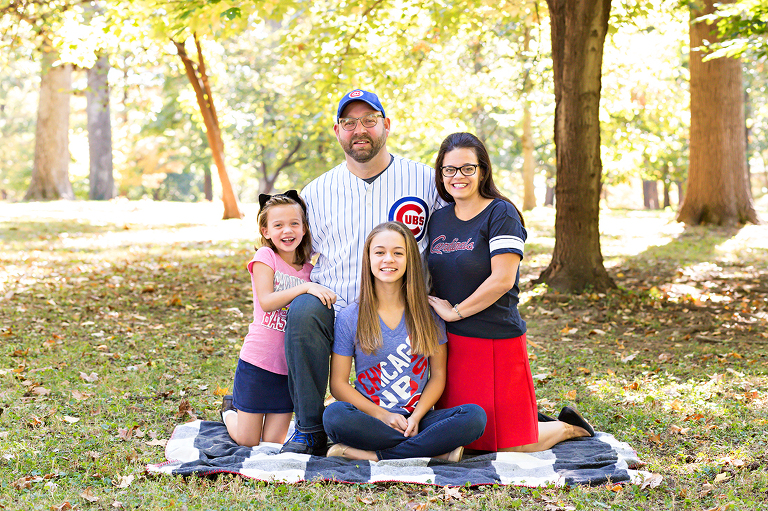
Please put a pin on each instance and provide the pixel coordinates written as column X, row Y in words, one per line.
column 370, row 187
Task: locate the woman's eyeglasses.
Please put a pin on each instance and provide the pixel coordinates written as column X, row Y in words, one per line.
column 467, row 169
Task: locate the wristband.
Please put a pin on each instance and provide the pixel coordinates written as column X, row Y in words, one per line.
column 456, row 310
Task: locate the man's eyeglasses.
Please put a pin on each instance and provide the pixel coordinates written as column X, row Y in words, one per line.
column 350, row 123
column 468, row 169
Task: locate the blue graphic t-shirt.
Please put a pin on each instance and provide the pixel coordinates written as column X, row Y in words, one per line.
column 459, row 259
column 392, row 377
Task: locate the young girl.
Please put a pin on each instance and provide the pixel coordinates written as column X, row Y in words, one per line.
column 400, row 355
column 261, row 407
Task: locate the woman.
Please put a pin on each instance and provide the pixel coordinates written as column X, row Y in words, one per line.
column 476, row 245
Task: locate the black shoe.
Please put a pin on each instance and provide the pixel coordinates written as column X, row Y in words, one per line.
column 315, row 444
column 226, row 404
column 572, row 417
column 546, row 418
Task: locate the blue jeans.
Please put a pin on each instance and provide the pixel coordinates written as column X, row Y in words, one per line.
column 440, row 431
column 308, row 340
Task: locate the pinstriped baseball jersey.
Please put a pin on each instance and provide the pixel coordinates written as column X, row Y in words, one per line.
column 343, row 209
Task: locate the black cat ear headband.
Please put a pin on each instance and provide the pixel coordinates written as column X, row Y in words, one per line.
column 291, row 194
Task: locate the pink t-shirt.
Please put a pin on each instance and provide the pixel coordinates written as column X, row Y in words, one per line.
column 264, row 346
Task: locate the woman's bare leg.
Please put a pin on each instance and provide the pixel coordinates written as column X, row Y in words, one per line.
column 550, row 433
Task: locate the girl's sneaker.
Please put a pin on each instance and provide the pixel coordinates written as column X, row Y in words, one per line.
column 226, row 405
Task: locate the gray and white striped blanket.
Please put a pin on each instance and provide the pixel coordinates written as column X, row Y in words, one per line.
column 205, row 448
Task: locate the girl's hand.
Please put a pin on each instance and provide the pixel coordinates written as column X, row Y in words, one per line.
column 444, row 309
column 413, row 427
column 325, row 295
column 394, row 421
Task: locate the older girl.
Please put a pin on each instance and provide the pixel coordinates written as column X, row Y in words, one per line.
column 399, row 353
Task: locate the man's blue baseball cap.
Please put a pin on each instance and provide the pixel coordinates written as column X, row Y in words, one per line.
column 360, row 95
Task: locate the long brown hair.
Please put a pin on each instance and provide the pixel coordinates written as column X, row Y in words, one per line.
column 486, row 187
column 419, row 321
column 304, row 250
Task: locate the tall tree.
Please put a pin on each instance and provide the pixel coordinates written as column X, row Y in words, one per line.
column 198, row 77
column 579, row 28
column 101, row 180
column 718, row 189
column 100, row 177
column 44, row 23
column 50, row 171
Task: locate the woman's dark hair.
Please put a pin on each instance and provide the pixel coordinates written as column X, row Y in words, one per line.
column 487, row 187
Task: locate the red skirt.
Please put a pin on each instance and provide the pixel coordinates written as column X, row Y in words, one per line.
column 494, row 374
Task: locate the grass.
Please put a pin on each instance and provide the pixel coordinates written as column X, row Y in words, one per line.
column 120, row 320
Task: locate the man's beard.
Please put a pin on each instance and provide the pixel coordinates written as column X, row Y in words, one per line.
column 364, row 155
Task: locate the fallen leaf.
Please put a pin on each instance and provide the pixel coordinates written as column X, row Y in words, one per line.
column 706, row 488
column 174, row 301
column 651, row 481
column 414, row 506
column 124, row 481
column 453, row 493
column 88, row 495
column 583, row 370
column 20, row 353
column 722, row 476
column 629, row 358
column 24, row 483
column 676, row 405
column 80, row 396
column 61, row 507
column 41, row 391
column 159, row 442
column 365, row 500
column 221, row 391
column 571, row 394
column 694, row 417
column 117, row 504
column 655, row 438
column 94, row 455
column 615, row 488
column 185, row 409
column 70, row 419
column 678, row 430
column 751, row 395
column 90, row 378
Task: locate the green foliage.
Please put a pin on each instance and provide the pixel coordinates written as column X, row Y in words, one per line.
column 742, row 27
column 644, row 129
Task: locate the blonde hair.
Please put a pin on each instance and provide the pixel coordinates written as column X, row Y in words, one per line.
column 419, row 321
column 304, row 250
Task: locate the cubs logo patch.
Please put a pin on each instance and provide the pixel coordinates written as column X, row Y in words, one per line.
column 355, row 94
column 413, row 212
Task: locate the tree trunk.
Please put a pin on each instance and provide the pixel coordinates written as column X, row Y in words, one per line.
column 529, row 166
column 50, row 171
column 198, row 77
column 718, row 188
column 578, row 33
column 207, row 184
column 549, row 194
column 102, row 182
column 650, row 195
column 667, row 201
column 680, row 192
